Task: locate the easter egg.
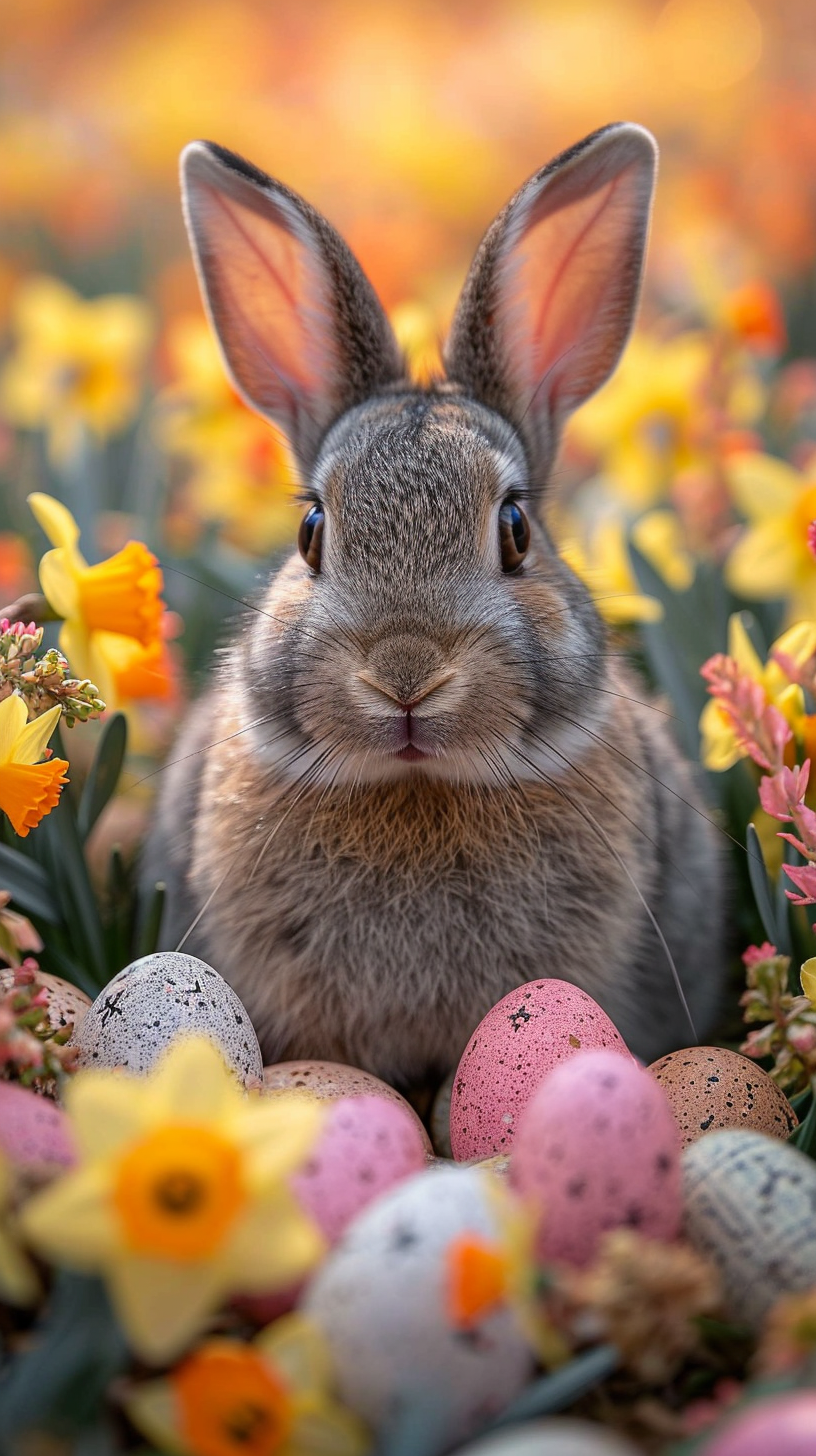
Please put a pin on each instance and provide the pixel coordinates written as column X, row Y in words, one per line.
column 33, row 1130
column 157, row 998
column 558, row 1436
column 784, row 1423
column 413, row 1304
column 750, row 1206
column 365, row 1147
column 332, row 1080
column 66, row 1003
column 597, row 1148
column 712, row 1087
column 511, row 1051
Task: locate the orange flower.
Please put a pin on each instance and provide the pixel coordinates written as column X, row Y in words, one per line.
column 28, row 790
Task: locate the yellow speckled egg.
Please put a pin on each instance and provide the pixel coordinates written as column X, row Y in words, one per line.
column 330, row 1081
column 709, row 1088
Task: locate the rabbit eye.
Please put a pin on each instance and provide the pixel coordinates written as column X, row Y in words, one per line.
column 514, row 535
column 310, row 536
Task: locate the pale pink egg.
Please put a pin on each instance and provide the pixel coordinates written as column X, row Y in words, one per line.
column 329, row 1081
column 511, row 1051
column 367, row 1145
column 598, row 1148
column 785, row 1423
column 33, row 1129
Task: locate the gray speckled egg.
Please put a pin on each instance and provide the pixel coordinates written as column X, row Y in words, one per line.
column 750, row 1206
column 383, row 1299
column 161, row 996
column 559, row 1436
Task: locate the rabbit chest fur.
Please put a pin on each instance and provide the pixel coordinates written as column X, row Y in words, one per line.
column 424, row 777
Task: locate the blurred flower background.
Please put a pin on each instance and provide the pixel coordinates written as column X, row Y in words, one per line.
column 686, row 488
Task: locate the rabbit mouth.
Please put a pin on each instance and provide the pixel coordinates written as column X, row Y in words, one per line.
column 410, row 753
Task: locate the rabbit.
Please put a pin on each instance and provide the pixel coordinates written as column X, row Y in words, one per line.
column 424, row 777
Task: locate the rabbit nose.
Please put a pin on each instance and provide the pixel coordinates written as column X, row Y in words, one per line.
column 405, row 704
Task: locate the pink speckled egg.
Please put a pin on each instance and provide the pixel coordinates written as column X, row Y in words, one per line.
column 33, row 1130
column 67, row 1005
column 329, row 1081
column 367, row 1145
column 511, row 1051
column 597, row 1148
column 782, row 1423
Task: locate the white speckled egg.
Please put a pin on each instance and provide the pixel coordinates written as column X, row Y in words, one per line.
column 511, row 1051
column 383, row 1299
column 750, row 1206
column 365, row 1147
column 558, row 1436
column 157, row 998
column 597, row 1148
column 784, row 1423
column 66, row 1003
column 33, row 1130
column 330, row 1081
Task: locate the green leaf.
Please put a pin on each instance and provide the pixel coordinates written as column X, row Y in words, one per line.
column 62, row 846
column 101, row 782
column 804, row 1136
column 29, row 885
column 148, row 940
column 764, row 891
column 556, row 1391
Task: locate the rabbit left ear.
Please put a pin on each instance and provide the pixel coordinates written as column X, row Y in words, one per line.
column 303, row 334
column 552, row 293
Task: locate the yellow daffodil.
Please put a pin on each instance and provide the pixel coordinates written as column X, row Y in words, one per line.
column 772, row 559
column 808, row 978
column 720, row 747
column 18, row 1282
column 659, row 537
column 606, row 570
column 180, row 1194
column 112, row 612
column 267, row 1398
column 77, row 363
column 28, row 789
column 418, row 335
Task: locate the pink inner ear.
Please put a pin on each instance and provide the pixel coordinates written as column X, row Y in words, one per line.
column 269, row 304
column 569, row 290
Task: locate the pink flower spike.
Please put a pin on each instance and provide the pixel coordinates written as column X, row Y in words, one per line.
column 784, row 791
column 797, row 843
column 804, row 877
column 756, row 953
column 811, row 538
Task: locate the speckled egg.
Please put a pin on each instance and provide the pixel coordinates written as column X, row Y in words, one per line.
column 597, row 1148
column 384, row 1299
column 711, row 1087
column 157, row 998
column 750, row 1206
column 511, row 1051
column 559, row 1436
column 33, row 1130
column 330, row 1081
column 366, row 1146
column 784, row 1423
column 66, row 1003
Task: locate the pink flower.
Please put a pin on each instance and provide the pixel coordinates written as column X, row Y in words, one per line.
column 784, row 790
column 756, row 953
column 804, row 877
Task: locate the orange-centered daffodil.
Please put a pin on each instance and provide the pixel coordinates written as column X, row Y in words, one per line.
column 269, row 1398
column 180, row 1196
column 28, row 789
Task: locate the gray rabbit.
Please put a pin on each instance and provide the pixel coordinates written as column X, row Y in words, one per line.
column 424, row 778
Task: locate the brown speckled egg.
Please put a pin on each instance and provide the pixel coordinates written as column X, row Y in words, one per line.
column 329, row 1081
column 710, row 1088
column 66, row 1003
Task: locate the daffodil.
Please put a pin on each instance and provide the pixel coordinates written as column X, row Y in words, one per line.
column 268, row 1398
column 604, row 567
column 77, row 363
column 721, row 745
column 18, row 1282
column 111, row 612
column 808, row 978
column 772, row 559
column 28, row 789
column 180, row 1194
column 659, row 537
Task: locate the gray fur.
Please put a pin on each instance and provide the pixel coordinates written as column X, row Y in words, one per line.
column 371, row 909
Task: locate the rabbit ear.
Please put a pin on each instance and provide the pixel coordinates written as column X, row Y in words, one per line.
column 551, row 296
column 301, row 329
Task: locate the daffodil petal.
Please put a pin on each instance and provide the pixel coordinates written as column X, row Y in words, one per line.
column 59, row 584
column 152, row 1407
column 742, row 650
column 322, row 1428
column 55, row 519
column 297, row 1347
column 33, row 738
column 277, row 1135
column 762, row 486
column 106, row 1111
column 71, row 1221
column 808, row 974
column 272, row 1245
column 719, row 748
column 13, row 714
column 798, row 643
column 765, row 561
column 192, row 1083
column 163, row 1305
column 18, row 1282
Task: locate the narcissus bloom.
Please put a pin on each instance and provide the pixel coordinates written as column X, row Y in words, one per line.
column 180, row 1196
column 267, row 1398
column 28, row 789
column 112, row 612
column 606, row 570
column 77, row 363
column 18, row 1282
column 773, row 558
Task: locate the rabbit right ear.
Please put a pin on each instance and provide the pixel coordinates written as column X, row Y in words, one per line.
column 303, row 334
